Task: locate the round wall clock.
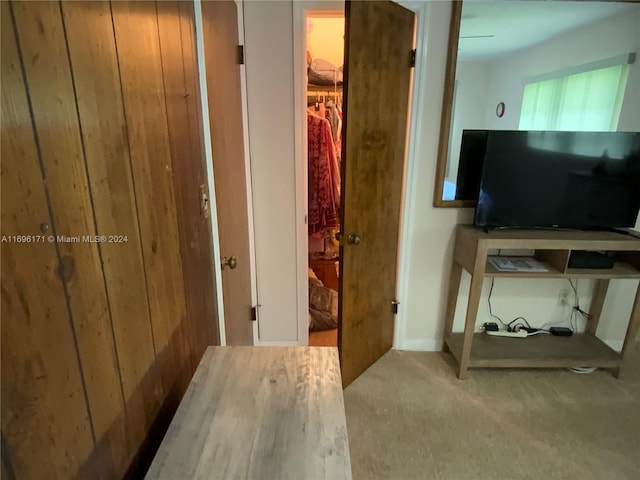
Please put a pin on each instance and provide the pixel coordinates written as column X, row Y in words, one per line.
column 500, row 110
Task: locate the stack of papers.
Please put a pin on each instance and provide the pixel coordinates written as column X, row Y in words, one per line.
column 517, row 264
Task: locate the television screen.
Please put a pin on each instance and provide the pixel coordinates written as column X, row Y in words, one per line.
column 560, row 179
column 472, row 148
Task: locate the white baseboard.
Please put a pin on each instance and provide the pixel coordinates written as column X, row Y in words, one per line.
column 420, row 345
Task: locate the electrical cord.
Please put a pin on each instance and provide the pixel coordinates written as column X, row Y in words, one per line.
column 576, row 307
column 574, row 327
column 489, row 302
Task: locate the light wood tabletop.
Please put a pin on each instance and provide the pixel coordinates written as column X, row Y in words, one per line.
column 259, row 412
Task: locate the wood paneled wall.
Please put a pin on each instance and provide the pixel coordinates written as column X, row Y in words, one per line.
column 100, row 137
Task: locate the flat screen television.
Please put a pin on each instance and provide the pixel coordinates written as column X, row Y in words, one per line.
column 472, row 148
column 582, row 180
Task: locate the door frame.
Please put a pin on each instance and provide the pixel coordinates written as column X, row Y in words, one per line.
column 300, row 12
column 213, row 211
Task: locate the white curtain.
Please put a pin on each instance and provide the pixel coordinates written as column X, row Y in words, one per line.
column 587, row 101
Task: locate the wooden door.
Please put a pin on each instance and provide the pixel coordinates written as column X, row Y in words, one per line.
column 379, row 40
column 220, row 22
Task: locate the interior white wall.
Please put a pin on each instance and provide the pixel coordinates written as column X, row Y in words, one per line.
column 269, row 59
column 610, row 37
column 268, row 29
column 433, row 231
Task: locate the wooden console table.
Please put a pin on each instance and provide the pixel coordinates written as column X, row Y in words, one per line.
column 552, row 248
column 259, row 412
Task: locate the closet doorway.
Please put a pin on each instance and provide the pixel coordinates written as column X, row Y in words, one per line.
column 375, row 97
column 324, row 58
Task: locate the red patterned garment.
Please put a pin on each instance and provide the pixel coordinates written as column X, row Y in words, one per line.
column 324, row 176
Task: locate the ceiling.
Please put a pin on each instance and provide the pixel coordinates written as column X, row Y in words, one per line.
column 518, row 24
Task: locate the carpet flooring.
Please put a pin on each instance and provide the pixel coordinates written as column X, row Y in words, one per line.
column 409, row 417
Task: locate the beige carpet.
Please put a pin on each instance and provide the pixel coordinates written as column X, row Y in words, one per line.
column 409, row 417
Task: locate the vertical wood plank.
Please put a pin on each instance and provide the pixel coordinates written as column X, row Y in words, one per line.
column 95, row 70
column 204, row 313
column 44, row 410
column 136, row 30
column 185, row 178
column 43, row 44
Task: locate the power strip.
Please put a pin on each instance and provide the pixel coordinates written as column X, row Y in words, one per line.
column 502, row 333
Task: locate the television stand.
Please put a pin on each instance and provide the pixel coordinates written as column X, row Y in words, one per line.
column 553, row 248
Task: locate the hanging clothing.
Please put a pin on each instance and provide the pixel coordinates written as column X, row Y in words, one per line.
column 324, row 176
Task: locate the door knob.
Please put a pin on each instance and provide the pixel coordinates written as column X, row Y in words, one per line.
column 353, row 239
column 231, row 262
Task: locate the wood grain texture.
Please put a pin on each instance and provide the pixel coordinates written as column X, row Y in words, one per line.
column 43, row 45
column 554, row 246
column 207, row 316
column 175, row 22
column 552, row 239
column 558, row 259
column 619, row 270
column 220, row 31
column 464, row 251
column 94, row 63
column 136, row 31
column 259, row 412
column 372, row 176
column 177, row 52
column 170, row 48
column 42, row 392
column 94, row 363
column 540, row 351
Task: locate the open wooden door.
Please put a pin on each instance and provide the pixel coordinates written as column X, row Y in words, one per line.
column 379, row 40
column 220, row 31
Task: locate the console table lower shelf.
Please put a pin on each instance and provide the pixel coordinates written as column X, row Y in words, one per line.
column 538, row 351
column 553, row 249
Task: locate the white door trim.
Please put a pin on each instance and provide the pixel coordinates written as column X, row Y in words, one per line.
column 300, row 10
column 421, row 10
column 206, row 136
column 247, row 169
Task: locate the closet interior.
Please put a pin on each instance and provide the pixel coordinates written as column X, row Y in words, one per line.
column 325, row 53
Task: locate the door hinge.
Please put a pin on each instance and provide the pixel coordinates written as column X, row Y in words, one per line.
column 412, row 58
column 241, row 54
column 394, row 306
column 254, row 313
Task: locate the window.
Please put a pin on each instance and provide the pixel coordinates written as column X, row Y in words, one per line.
column 585, row 101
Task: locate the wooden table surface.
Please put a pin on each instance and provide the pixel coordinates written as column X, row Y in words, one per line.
column 259, row 412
